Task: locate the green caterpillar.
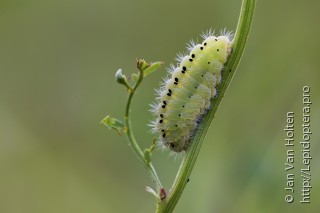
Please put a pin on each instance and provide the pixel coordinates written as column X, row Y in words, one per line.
column 185, row 97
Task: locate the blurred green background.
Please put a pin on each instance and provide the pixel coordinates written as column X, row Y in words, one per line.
column 57, row 64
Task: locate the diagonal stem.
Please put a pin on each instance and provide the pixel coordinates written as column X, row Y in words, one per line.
column 187, row 164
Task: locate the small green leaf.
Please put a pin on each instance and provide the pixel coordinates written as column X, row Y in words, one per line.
column 113, row 123
column 148, row 152
column 147, row 155
column 153, row 67
column 134, row 77
column 122, row 79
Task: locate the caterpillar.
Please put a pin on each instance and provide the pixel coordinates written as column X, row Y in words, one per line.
column 185, row 94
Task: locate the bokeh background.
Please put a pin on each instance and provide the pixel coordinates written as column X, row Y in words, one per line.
column 57, row 64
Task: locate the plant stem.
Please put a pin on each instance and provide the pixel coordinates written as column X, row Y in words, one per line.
column 239, row 42
column 132, row 140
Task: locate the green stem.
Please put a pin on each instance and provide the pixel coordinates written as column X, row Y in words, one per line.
column 191, row 154
column 132, row 140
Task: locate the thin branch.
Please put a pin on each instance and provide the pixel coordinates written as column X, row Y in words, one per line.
column 132, row 140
